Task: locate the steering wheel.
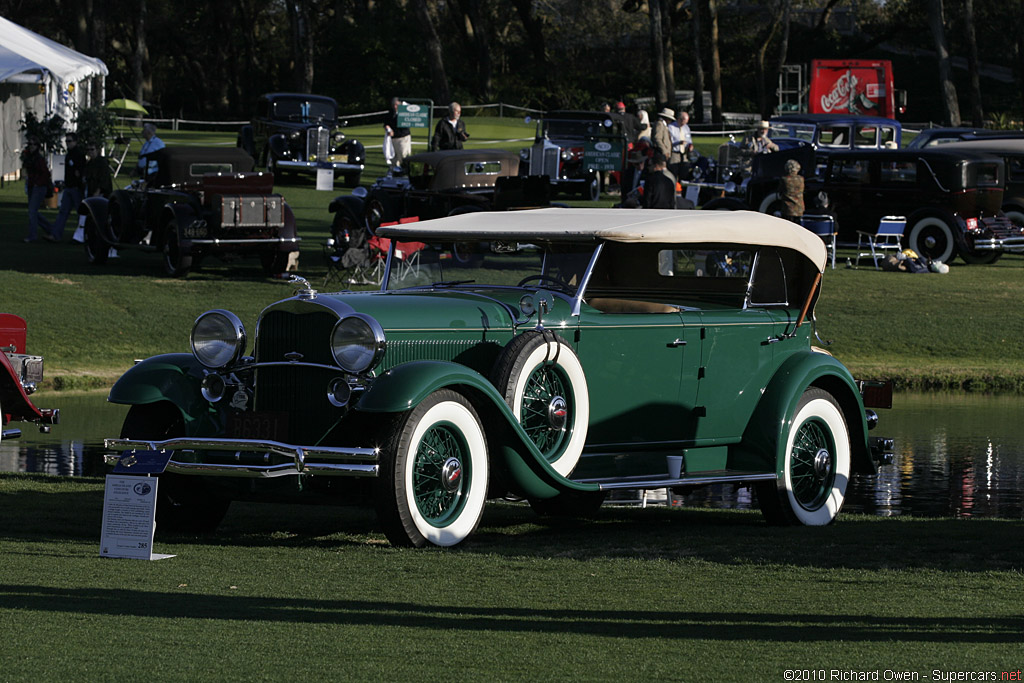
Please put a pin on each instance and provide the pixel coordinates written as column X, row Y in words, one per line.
column 557, row 280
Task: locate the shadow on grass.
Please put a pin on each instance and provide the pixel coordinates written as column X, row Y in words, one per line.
column 48, row 508
column 646, row 623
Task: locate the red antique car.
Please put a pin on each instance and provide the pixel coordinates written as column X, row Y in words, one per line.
column 20, row 374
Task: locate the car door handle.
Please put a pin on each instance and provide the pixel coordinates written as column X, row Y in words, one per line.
column 676, row 344
column 772, row 340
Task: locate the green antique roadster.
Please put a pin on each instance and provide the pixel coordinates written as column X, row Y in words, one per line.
column 551, row 354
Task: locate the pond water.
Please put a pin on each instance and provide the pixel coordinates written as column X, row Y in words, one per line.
column 956, row 455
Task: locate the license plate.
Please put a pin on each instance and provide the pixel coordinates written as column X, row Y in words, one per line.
column 265, row 426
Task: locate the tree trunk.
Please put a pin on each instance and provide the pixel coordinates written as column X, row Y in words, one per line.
column 668, row 52
column 534, row 29
column 302, row 46
column 977, row 114
column 826, row 13
column 787, row 10
column 435, row 58
column 937, row 24
column 480, row 37
column 698, row 66
column 716, row 65
column 658, row 52
column 140, row 58
column 762, row 52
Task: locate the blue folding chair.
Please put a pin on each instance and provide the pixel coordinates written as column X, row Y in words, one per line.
column 824, row 227
column 889, row 235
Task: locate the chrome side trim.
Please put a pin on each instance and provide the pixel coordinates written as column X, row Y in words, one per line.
column 11, row 434
column 647, row 482
column 300, row 455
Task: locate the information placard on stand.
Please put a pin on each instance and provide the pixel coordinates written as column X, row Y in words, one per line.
column 129, row 507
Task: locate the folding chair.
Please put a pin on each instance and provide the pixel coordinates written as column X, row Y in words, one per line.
column 355, row 262
column 889, row 235
column 823, row 226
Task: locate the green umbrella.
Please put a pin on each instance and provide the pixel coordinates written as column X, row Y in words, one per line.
column 126, row 107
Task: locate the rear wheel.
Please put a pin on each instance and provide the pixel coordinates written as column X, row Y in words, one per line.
column 592, row 188
column 176, row 262
column 815, row 468
column 980, row 257
column 771, row 205
column 932, row 237
column 434, row 471
column 274, row 262
column 184, row 504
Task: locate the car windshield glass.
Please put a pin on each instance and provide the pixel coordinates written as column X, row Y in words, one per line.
column 573, row 129
column 793, row 130
column 300, row 110
column 492, row 263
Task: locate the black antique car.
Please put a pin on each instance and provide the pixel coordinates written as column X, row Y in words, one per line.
column 204, row 201
column 950, row 198
column 439, row 184
column 296, row 132
column 932, row 137
column 572, row 148
column 1012, row 153
column 20, row 374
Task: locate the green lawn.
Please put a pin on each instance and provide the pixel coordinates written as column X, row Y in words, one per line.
column 291, row 592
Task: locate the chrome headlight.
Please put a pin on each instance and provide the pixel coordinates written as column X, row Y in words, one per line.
column 357, row 343
column 218, row 338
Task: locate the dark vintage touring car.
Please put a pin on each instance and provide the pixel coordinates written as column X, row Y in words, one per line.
column 205, row 201
column 586, row 351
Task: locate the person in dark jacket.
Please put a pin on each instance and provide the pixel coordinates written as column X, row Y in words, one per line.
column 659, row 185
column 450, row 131
column 38, row 186
column 98, row 181
column 74, row 184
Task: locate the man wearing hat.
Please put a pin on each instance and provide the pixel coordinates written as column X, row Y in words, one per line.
column 660, row 135
column 759, row 143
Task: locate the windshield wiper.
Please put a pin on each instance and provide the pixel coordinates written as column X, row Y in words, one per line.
column 452, row 283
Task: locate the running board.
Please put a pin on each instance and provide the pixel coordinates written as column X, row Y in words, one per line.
column 703, row 479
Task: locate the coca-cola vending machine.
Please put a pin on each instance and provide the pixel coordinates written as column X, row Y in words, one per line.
column 854, row 86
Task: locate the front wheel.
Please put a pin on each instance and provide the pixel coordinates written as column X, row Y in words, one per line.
column 592, row 189
column 932, row 237
column 980, row 257
column 771, row 205
column 815, row 468
column 433, row 473
column 184, row 504
column 352, row 179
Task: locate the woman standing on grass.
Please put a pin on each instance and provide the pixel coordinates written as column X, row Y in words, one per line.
column 38, row 186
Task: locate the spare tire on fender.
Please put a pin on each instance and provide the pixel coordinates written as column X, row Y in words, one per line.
column 542, row 380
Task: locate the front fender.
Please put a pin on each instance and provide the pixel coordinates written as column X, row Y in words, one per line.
column 173, row 377
column 406, row 385
column 97, row 209
column 766, row 432
column 278, row 145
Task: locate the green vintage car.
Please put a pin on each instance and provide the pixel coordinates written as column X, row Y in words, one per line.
column 581, row 351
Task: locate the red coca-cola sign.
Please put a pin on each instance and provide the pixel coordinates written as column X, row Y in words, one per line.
column 851, row 86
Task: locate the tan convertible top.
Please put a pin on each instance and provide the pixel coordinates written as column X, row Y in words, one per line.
column 663, row 226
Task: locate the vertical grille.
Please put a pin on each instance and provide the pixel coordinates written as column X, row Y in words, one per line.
column 283, row 332
column 297, row 390
column 317, row 144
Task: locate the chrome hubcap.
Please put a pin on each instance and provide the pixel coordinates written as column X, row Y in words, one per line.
column 929, row 242
column 451, row 474
column 822, row 463
column 558, row 409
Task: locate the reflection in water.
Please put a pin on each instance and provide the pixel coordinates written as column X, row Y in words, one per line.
column 956, row 455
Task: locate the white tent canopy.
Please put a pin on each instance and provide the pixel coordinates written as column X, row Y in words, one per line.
column 42, row 76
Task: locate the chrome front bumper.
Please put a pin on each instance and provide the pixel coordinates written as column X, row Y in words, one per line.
column 319, row 460
column 314, row 165
column 1010, row 244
